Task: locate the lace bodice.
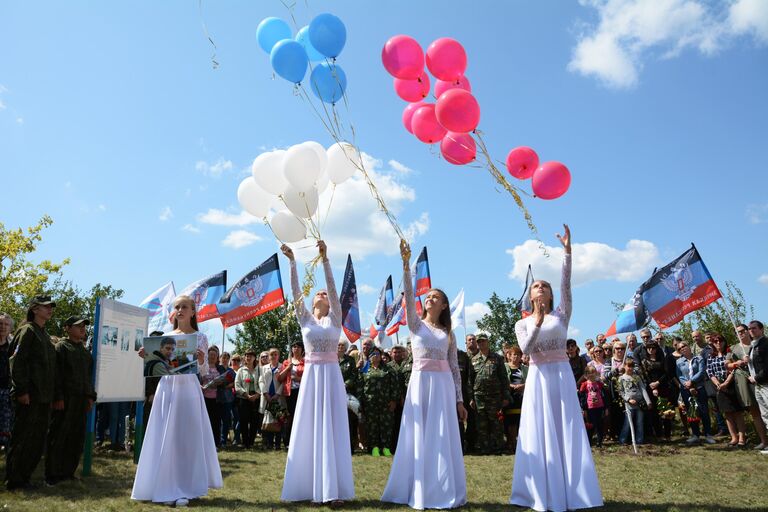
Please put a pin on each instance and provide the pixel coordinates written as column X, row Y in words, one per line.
column 429, row 342
column 318, row 335
column 554, row 330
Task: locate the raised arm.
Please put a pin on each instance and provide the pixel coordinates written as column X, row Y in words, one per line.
column 410, row 302
column 566, row 303
column 298, row 296
column 333, row 295
column 453, row 363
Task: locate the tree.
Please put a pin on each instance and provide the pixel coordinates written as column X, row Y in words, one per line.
column 717, row 316
column 500, row 322
column 21, row 279
column 72, row 301
column 277, row 328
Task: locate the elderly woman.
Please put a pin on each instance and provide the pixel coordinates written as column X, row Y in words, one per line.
column 248, row 391
column 272, row 400
column 611, row 373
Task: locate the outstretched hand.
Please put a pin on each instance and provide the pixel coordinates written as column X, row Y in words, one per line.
column 287, row 251
column 565, row 239
column 405, row 252
column 322, row 249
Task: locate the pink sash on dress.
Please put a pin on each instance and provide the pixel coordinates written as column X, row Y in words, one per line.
column 548, row 356
column 431, row 365
column 321, row 357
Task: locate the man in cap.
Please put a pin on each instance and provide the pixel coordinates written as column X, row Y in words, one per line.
column 74, row 370
column 33, row 383
column 489, row 392
column 469, row 433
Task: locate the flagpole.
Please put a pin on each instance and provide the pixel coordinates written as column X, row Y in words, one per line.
column 223, row 337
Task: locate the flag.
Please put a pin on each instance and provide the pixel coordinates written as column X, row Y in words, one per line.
column 383, row 307
column 457, row 311
column 159, row 304
column 679, row 288
column 350, row 311
column 633, row 316
column 206, row 293
column 524, row 304
column 421, row 279
column 398, row 316
column 259, row 291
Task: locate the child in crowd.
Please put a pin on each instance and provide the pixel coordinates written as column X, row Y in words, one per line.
column 593, row 403
column 632, row 390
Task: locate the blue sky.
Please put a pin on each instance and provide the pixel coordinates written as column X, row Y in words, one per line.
column 114, row 122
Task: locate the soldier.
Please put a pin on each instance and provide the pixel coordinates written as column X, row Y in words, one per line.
column 379, row 398
column 398, row 365
column 468, row 441
column 33, row 381
column 351, row 377
column 74, row 370
column 489, row 392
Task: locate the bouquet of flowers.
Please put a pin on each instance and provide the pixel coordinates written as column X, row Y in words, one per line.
column 693, row 411
column 665, row 408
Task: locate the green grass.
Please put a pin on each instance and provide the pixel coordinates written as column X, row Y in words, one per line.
column 661, row 478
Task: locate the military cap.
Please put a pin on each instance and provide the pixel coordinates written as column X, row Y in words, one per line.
column 481, row 336
column 75, row 320
column 41, row 300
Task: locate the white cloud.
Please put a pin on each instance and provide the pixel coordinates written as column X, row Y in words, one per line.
column 573, row 332
column 102, row 207
column 189, row 228
column 2, row 105
column 763, row 279
column 353, row 223
column 20, row 120
column 474, row 312
column 757, row 213
column 592, row 261
column 222, row 218
column 215, row 169
column 239, row 239
column 366, row 289
column 629, row 32
column 401, row 168
column 166, row 214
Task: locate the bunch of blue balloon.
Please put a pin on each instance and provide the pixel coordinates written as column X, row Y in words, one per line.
column 321, row 41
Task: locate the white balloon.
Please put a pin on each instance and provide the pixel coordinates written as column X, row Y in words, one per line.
column 287, row 227
column 340, row 161
column 322, row 182
column 301, row 204
column 321, row 154
column 267, row 170
column 301, row 167
column 254, row 199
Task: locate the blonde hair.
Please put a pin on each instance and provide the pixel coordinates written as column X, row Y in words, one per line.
column 186, row 298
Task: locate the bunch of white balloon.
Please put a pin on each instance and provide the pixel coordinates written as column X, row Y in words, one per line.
column 295, row 178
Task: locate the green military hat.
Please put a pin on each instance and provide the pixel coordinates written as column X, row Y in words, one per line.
column 481, row 336
column 76, row 320
column 41, row 300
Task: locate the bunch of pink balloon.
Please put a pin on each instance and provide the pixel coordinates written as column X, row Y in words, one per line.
column 455, row 112
column 549, row 180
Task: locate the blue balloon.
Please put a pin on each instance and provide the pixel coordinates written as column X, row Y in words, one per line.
column 303, row 38
column 328, row 34
column 270, row 31
column 289, row 60
column 328, row 82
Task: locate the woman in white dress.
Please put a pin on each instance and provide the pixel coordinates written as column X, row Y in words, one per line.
column 178, row 459
column 319, row 465
column 554, row 469
column 428, row 468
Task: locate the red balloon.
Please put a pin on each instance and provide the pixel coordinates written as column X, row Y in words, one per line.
column 458, row 111
column 522, row 162
column 458, row 148
column 446, row 59
column 462, row 83
column 425, row 126
column 408, row 114
column 551, row 180
column 413, row 90
column 403, row 57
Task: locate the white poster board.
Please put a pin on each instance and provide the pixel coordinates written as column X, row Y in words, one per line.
column 118, row 335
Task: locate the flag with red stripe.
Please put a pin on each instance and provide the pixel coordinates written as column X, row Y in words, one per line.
column 259, row 291
column 350, row 311
column 206, row 293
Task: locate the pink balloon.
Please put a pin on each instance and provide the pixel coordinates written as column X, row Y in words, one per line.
column 551, row 180
column 446, row 59
column 522, row 162
column 425, row 126
column 403, row 57
column 458, row 111
column 408, row 114
column 413, row 90
column 458, row 148
column 462, row 83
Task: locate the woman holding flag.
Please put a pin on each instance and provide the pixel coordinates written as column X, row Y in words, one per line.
column 428, row 469
column 554, row 469
column 319, row 465
column 178, row 459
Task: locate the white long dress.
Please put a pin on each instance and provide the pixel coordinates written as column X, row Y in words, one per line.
column 428, row 469
column 319, row 465
column 178, row 457
column 554, row 469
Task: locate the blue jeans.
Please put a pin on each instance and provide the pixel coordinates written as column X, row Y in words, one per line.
column 703, row 408
column 226, row 421
column 117, row 413
column 636, row 415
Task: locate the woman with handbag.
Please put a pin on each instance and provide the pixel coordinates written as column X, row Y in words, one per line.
column 272, row 406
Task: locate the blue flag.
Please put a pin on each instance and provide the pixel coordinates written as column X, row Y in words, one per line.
column 350, row 311
column 206, row 293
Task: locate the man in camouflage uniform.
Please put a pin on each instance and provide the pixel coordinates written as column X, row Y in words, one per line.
column 398, row 365
column 351, row 376
column 74, row 369
column 33, row 383
column 488, row 392
column 380, row 395
column 468, row 435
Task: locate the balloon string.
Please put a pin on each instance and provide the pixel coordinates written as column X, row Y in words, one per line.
column 207, row 35
column 309, row 276
column 513, row 190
